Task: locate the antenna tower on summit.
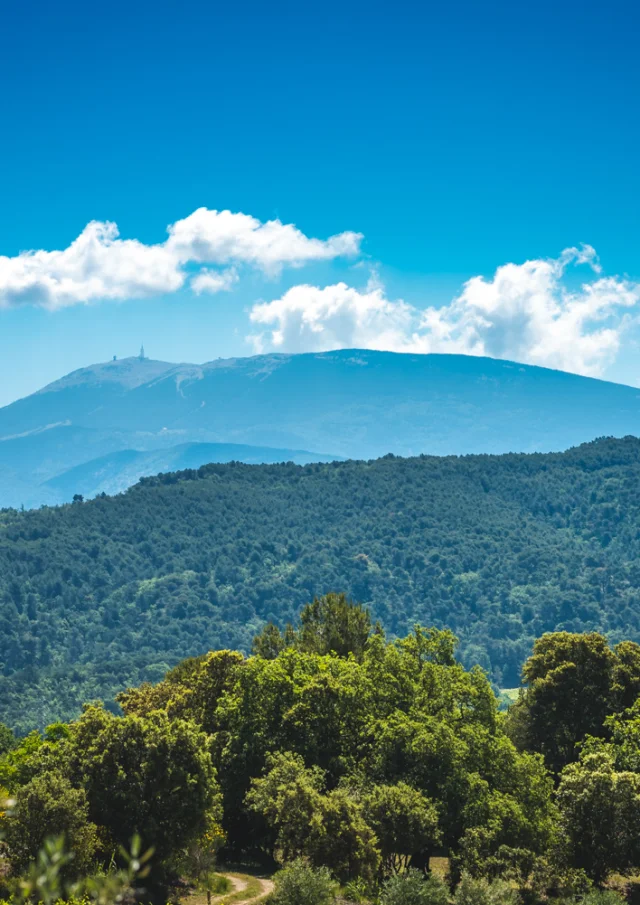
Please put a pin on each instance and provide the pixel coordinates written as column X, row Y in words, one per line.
column 141, row 356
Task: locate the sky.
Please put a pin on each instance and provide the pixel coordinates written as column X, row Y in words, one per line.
column 216, row 180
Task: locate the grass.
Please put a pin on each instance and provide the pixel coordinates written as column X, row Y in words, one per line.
column 219, row 886
column 439, row 867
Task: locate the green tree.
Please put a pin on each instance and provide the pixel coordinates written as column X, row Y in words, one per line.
column 45, row 807
column 269, row 642
column 334, row 624
column 341, row 839
column 288, row 798
column 570, row 692
column 405, row 822
column 200, row 858
column 7, row 739
column 480, row 891
column 148, row 776
column 328, row 829
column 599, row 814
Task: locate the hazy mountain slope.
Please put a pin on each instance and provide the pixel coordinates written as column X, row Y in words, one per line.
column 499, row 548
column 364, row 404
column 354, row 403
column 119, row 470
column 72, row 399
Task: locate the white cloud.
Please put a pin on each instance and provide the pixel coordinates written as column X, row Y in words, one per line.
column 310, row 319
column 527, row 312
column 100, row 265
column 221, row 237
column 211, row 281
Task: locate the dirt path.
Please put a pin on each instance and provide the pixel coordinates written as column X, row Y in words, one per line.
column 240, row 883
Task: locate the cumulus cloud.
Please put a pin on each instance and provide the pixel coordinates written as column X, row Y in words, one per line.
column 211, row 281
column 527, row 312
column 100, row 265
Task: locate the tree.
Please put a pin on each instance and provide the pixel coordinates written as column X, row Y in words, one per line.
column 334, row 624
column 288, row 798
column 570, row 692
column 405, row 822
column 328, row 829
column 147, row 776
column 473, row 891
column 201, row 855
column 341, row 839
column 8, row 741
column 599, row 814
column 269, row 642
column 45, row 807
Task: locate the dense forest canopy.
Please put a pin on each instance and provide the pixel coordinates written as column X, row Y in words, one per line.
column 500, row 549
column 351, row 766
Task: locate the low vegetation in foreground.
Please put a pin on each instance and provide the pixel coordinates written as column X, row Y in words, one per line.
column 345, row 763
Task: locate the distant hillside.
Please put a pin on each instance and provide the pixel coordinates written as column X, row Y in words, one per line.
column 119, row 470
column 354, row 404
column 100, row 594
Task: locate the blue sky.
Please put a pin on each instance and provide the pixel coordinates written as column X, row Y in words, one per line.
column 456, row 138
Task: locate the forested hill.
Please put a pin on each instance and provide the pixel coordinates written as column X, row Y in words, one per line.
column 352, row 403
column 101, row 594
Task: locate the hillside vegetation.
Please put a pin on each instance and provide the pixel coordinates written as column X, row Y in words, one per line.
column 500, row 549
column 348, row 759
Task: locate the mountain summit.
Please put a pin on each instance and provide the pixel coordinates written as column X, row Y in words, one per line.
column 350, row 403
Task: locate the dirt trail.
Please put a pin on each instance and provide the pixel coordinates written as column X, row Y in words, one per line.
column 239, row 885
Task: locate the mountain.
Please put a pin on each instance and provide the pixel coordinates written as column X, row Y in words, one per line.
column 352, row 403
column 113, row 591
column 118, row 470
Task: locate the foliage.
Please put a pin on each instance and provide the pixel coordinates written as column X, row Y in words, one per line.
column 599, row 814
column 362, row 764
column 199, row 860
column 7, row 739
column 472, row 891
column 574, row 682
column 43, row 881
column 152, row 773
column 405, row 823
column 301, row 884
column 327, row 829
column 331, row 624
column 112, row 592
column 413, row 888
column 288, row 798
column 602, row 897
column 45, row 807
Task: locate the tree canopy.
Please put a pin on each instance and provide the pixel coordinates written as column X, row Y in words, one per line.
column 105, row 593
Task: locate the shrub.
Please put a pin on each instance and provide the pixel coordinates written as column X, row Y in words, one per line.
column 603, row 897
column 413, row 888
column 471, row 891
column 300, row 884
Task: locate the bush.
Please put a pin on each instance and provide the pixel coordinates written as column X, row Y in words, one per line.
column 481, row 892
column 413, row 888
column 603, row 897
column 299, row 884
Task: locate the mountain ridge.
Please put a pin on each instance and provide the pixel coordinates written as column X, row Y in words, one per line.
column 354, row 403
